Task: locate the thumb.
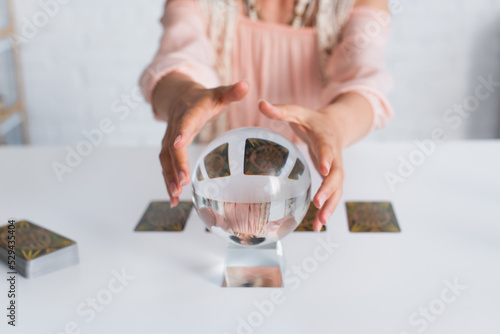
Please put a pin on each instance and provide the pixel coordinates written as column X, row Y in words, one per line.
column 232, row 93
column 198, row 116
column 287, row 113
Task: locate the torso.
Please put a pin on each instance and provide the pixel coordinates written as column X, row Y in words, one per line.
column 282, row 66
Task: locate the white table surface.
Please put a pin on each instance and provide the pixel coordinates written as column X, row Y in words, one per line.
column 449, row 212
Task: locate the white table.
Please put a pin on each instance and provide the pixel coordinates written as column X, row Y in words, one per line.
column 449, row 212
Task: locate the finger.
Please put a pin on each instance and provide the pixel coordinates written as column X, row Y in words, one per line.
column 169, row 176
column 168, row 167
column 178, row 169
column 287, row 113
column 317, row 225
column 174, row 200
column 330, row 184
column 232, row 93
column 325, row 156
column 191, row 123
column 326, row 211
column 180, row 159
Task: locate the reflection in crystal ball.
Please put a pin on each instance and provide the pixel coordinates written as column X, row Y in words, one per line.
column 251, row 186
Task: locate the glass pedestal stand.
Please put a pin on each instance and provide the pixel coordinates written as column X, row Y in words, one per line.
column 258, row 266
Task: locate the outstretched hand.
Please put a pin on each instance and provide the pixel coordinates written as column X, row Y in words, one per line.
column 187, row 114
column 324, row 140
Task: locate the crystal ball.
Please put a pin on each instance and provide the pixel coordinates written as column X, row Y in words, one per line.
column 251, row 186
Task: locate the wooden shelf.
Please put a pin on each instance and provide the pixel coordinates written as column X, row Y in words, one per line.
column 7, row 112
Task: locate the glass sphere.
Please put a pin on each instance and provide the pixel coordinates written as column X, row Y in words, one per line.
column 251, row 186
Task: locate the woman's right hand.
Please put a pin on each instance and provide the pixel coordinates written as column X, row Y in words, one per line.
column 187, row 106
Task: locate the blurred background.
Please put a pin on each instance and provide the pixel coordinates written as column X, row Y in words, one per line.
column 67, row 65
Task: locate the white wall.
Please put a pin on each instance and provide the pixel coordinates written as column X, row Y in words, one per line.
column 437, row 51
column 91, row 52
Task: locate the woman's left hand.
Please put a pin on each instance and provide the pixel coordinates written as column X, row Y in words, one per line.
column 323, row 136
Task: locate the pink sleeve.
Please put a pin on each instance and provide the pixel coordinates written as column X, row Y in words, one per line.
column 184, row 48
column 357, row 63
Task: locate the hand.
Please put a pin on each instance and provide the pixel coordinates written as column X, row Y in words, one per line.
column 320, row 131
column 186, row 113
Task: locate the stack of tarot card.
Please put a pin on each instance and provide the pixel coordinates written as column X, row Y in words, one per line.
column 37, row 250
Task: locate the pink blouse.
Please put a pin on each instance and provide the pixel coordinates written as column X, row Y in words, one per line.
column 280, row 62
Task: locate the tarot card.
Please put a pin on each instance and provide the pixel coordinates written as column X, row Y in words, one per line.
column 33, row 241
column 37, row 251
column 371, row 217
column 263, row 157
column 159, row 216
column 307, row 223
column 217, row 162
column 199, row 174
column 297, row 170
